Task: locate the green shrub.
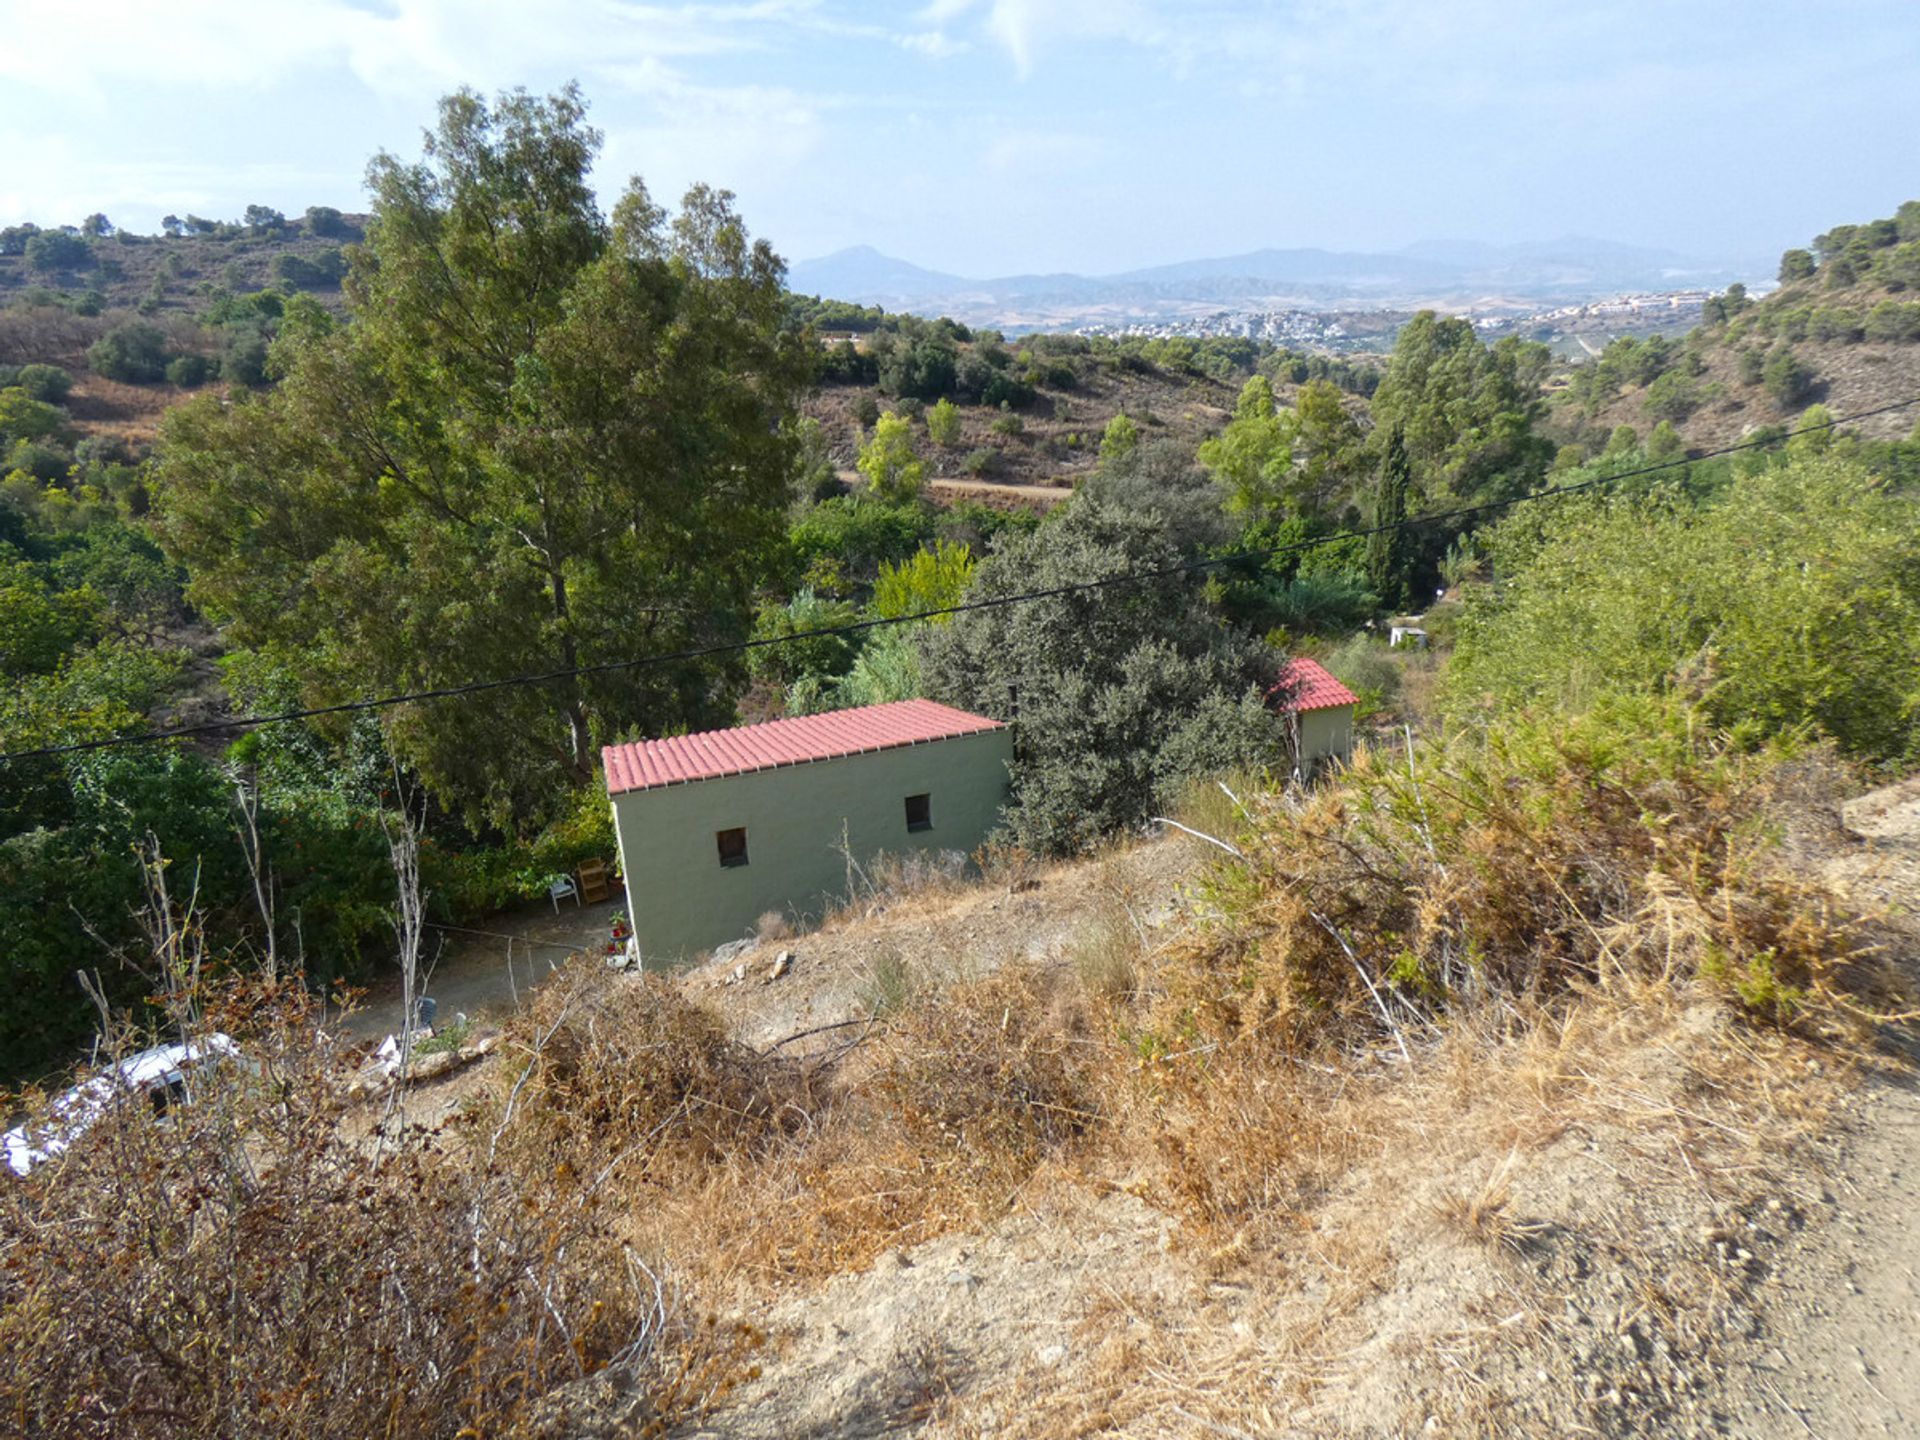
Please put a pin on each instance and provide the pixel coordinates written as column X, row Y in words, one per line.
column 1305, row 605
column 1788, row 381
column 982, row 462
column 48, row 384
column 943, row 424
column 1894, row 322
column 1791, row 601
column 135, row 353
column 858, row 532
column 1365, row 667
column 52, row 251
column 467, row 885
column 24, row 418
column 823, row 655
column 190, row 371
column 1672, row 397
column 1121, row 695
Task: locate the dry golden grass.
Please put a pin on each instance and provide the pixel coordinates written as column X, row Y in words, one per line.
column 749, row 1169
column 1602, row 1132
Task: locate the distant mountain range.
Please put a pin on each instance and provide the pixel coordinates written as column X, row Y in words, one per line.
column 1431, row 272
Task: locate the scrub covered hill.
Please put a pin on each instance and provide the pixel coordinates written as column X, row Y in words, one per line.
column 96, row 266
column 1842, row 331
column 1022, row 421
column 136, row 324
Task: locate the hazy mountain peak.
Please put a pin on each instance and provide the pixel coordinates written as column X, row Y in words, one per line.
column 1571, row 268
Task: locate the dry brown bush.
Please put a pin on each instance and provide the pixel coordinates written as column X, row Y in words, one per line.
column 1620, row 865
column 1554, row 855
column 751, row 1169
column 246, row 1265
column 626, row 1075
column 933, row 1125
column 48, row 333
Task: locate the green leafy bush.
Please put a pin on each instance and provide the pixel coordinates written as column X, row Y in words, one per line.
column 983, row 461
column 135, row 353
column 1788, row 380
column 463, row 885
column 48, row 384
column 1122, row 692
column 943, row 424
column 935, row 577
column 859, row 532
column 1363, row 665
column 1792, row 600
column 190, row 371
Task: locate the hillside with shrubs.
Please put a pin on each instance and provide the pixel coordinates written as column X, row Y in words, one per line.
column 1839, row 336
column 1397, row 1103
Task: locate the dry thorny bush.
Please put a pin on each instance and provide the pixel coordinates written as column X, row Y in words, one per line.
column 1486, row 893
column 245, row 1265
column 1556, row 855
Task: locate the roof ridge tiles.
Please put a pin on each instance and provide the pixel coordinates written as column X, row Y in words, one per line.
column 1308, row 685
column 790, row 740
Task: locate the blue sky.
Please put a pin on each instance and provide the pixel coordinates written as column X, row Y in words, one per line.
column 992, row 136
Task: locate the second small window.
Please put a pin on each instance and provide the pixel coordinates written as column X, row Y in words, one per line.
column 919, row 812
column 733, row 847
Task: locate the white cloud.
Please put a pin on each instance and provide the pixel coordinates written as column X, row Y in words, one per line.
column 748, row 138
column 1309, row 46
column 941, row 12
column 936, row 44
column 407, row 48
column 1042, row 152
column 1024, row 27
column 328, row 56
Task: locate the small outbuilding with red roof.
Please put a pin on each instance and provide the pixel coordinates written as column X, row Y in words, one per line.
column 1318, row 710
column 719, row 828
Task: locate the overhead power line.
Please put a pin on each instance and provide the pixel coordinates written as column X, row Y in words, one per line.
column 739, row 647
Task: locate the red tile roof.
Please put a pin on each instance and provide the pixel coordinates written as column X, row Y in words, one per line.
column 1312, row 687
column 679, row 759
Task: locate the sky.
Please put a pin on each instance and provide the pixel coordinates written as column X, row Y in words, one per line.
column 989, row 137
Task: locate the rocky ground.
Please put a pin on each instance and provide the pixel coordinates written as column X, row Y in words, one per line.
column 1838, row 1353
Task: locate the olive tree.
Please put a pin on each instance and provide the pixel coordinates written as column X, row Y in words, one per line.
column 1119, row 692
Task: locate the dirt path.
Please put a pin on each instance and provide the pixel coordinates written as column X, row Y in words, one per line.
column 1842, row 1354
column 482, row 971
column 1003, row 492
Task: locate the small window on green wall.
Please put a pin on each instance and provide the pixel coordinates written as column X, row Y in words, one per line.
column 733, row 847
column 919, row 812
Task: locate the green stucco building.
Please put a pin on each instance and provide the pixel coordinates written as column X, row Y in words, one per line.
column 719, row 828
column 1318, row 711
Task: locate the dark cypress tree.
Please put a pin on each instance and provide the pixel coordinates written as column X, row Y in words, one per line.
column 1390, row 553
